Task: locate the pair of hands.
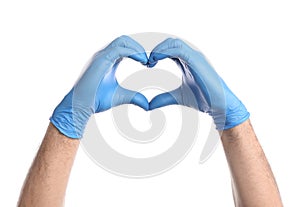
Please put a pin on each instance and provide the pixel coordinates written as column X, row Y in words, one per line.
column 98, row 90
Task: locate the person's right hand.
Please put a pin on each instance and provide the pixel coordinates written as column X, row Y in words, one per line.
column 202, row 88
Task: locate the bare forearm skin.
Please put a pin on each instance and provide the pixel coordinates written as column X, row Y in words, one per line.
column 253, row 182
column 48, row 176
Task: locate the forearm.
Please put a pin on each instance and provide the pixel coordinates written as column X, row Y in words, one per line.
column 47, row 178
column 252, row 177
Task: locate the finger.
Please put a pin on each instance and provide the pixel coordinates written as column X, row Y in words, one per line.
column 161, row 51
column 103, row 63
column 155, row 57
column 125, row 96
column 128, row 42
column 169, row 98
column 152, row 61
column 176, row 53
column 163, row 45
column 116, row 53
column 140, row 57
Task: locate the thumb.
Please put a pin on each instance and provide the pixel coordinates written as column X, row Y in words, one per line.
column 125, row 96
column 169, row 98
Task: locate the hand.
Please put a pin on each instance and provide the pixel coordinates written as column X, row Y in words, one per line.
column 202, row 88
column 98, row 90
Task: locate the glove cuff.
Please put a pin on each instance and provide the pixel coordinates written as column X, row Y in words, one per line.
column 70, row 121
column 232, row 117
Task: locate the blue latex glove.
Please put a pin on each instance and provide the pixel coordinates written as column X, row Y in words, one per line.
column 202, row 88
column 97, row 89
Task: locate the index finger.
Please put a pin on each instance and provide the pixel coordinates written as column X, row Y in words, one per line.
column 169, row 48
column 139, row 53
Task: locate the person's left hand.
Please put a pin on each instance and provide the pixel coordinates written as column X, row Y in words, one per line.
column 98, row 90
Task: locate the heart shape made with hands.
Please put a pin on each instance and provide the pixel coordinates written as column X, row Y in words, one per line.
column 177, row 51
column 98, row 90
column 171, row 49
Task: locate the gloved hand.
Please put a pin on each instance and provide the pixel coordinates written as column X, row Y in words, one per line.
column 202, row 88
column 97, row 89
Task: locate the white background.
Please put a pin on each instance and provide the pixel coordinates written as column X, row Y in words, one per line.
column 253, row 45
